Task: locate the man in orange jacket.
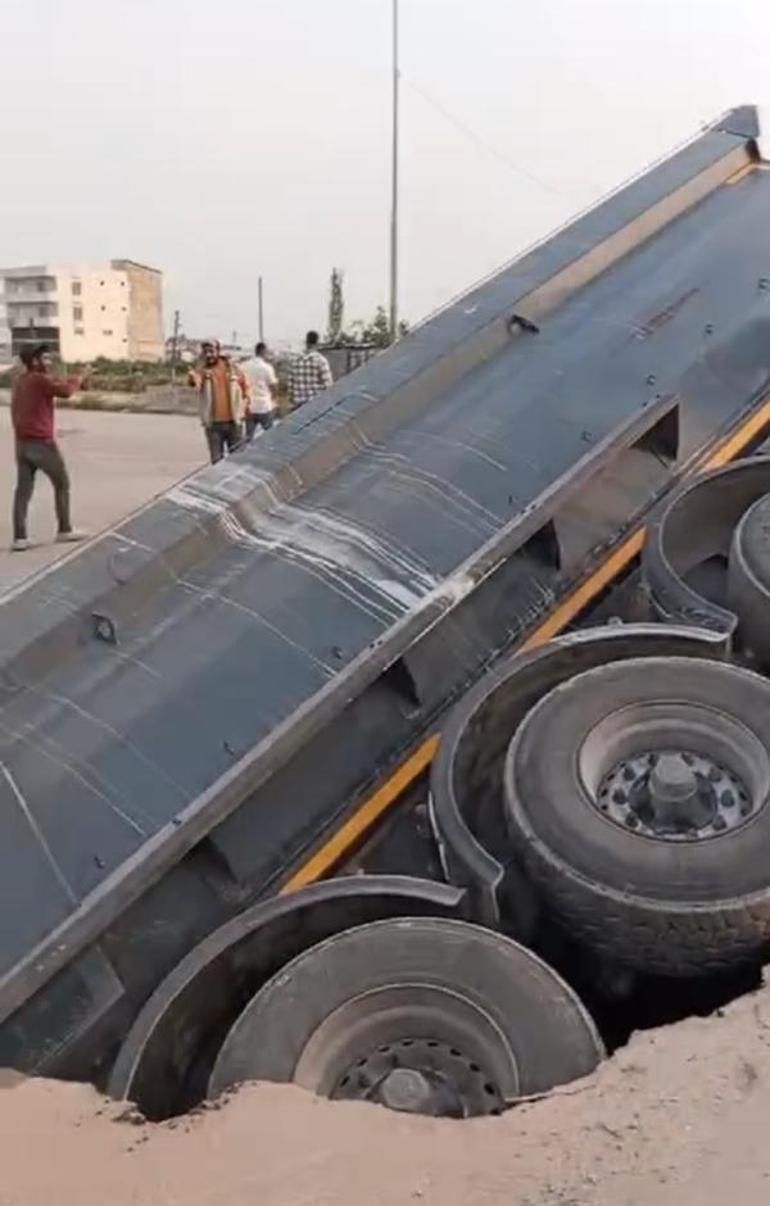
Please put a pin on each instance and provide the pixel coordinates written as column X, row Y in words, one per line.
column 223, row 393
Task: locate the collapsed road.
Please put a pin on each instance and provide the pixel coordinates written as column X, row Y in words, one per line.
column 226, row 702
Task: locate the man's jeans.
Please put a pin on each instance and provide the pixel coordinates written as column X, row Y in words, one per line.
column 264, row 420
column 221, row 437
column 32, row 455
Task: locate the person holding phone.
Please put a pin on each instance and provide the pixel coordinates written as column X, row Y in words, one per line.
column 223, row 394
column 33, row 414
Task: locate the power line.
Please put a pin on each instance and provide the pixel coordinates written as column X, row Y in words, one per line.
column 478, row 140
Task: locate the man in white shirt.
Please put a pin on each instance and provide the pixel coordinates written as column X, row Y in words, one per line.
column 261, row 376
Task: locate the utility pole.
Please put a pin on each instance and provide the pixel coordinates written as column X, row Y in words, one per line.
column 174, row 346
column 394, row 183
column 261, row 296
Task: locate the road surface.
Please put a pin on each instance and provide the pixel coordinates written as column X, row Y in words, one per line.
column 117, row 462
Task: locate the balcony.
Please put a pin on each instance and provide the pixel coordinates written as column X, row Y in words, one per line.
column 29, row 290
column 31, row 314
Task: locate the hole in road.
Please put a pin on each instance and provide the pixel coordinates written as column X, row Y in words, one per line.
column 620, row 1005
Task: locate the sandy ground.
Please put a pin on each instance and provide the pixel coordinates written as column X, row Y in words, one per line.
column 117, row 462
column 680, row 1117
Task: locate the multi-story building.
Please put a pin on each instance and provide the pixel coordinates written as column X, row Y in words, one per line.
column 6, row 355
column 84, row 313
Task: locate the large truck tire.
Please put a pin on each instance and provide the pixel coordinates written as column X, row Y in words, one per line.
column 165, row 1062
column 425, row 1015
column 748, row 581
column 637, row 797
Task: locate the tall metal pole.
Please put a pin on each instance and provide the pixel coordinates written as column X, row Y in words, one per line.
column 261, row 312
column 174, row 347
column 394, row 183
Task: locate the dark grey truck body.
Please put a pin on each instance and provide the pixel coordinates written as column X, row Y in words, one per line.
column 190, row 704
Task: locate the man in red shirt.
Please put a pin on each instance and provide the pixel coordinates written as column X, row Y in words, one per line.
column 32, row 412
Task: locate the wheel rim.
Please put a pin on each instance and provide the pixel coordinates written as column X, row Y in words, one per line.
column 414, row 1047
column 674, row 771
column 418, row 1048
column 421, row 1076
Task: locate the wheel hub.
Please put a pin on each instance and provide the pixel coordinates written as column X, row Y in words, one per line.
column 674, row 794
column 421, row 1076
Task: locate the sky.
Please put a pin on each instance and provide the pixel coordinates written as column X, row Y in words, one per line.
column 224, row 141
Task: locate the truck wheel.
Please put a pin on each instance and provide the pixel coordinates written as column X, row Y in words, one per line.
column 425, row 1015
column 748, row 580
column 637, row 794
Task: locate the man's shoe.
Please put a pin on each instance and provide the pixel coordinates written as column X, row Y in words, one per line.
column 73, row 537
column 21, row 546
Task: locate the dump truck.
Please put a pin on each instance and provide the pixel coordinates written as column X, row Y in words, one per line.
column 389, row 754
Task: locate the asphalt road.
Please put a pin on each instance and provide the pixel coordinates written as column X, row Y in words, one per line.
column 117, row 462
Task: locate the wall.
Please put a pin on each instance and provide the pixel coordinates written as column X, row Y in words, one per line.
column 93, row 314
column 145, row 323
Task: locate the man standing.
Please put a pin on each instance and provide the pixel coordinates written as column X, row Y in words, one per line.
column 34, row 426
column 222, row 394
column 310, row 373
column 263, row 385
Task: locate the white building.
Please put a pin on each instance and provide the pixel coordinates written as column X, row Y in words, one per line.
column 84, row 313
column 6, row 355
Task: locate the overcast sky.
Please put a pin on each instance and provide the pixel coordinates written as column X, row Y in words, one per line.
column 222, row 140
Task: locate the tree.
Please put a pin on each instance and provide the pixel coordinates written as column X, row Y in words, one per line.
column 377, row 330
column 334, row 333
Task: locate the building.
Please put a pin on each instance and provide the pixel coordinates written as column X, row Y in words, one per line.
column 115, row 312
column 6, row 354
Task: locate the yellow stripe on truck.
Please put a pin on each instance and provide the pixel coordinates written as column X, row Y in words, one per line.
column 363, row 820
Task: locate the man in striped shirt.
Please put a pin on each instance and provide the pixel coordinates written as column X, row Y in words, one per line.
column 310, row 373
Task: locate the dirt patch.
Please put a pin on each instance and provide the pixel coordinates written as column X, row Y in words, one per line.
column 678, row 1117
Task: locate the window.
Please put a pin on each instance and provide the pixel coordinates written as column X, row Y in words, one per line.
column 77, row 313
column 104, row 307
column 77, row 288
column 101, row 282
column 40, row 285
column 106, row 332
column 79, row 331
